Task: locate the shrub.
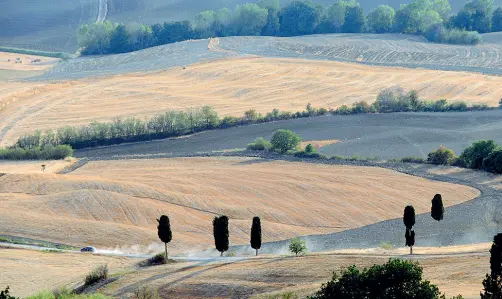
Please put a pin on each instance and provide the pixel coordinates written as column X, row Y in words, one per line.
column 97, row 275
column 285, row 140
column 259, row 144
column 441, row 156
column 297, row 246
column 146, row 292
column 418, row 160
column 58, row 152
column 66, row 294
column 493, row 163
column 158, row 259
column 439, row 34
column 474, row 155
column 6, row 294
column 397, row 279
column 386, row 246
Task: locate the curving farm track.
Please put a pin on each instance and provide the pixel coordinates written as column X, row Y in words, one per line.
column 102, row 11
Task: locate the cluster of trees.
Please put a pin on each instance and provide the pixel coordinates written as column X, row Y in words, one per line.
column 396, row 99
column 431, row 18
column 220, row 233
column 481, row 155
column 57, row 152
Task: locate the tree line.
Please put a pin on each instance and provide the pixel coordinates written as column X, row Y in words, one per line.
column 430, row 18
column 179, row 123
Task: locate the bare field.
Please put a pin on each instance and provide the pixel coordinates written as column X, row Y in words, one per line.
column 303, row 275
column 28, row 272
column 25, row 167
column 115, row 203
column 231, row 86
column 8, row 62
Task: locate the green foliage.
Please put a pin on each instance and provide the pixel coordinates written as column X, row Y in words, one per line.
column 5, row 294
column 475, row 16
column 437, row 208
column 298, row 246
column 439, row 34
column 493, row 162
column 409, row 217
column 492, row 284
column 386, row 245
column 473, row 156
column 299, row 18
column 119, row 39
column 97, row 275
column 397, row 279
column 418, row 160
column 259, row 144
column 416, row 17
column 285, row 140
column 335, row 16
column 497, row 20
column 354, row 20
column 48, row 152
column 381, row 19
column 220, row 233
column 285, row 295
column 256, row 234
column 61, row 55
column 249, row 19
column 442, row 156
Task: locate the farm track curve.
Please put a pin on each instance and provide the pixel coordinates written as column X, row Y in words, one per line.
column 470, row 222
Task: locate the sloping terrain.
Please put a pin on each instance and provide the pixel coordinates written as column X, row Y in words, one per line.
column 27, row 272
column 116, row 203
column 454, row 275
column 375, row 49
column 230, row 86
column 45, row 25
column 385, row 136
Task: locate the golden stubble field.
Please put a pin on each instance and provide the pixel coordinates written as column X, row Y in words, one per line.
column 231, row 86
column 25, row 272
column 115, row 203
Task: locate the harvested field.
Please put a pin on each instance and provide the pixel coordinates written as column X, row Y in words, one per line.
column 373, row 49
column 382, row 135
column 304, row 275
column 115, row 203
column 34, row 166
column 231, row 86
column 26, row 271
column 28, row 62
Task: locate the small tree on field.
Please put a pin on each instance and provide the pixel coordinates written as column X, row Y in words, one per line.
column 221, row 234
column 441, row 156
column 256, row 234
column 285, row 140
column 310, row 149
column 297, row 246
column 492, row 284
column 437, row 209
column 164, row 231
column 409, row 221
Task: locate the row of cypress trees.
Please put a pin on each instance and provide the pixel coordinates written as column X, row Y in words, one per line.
column 437, row 213
column 220, row 233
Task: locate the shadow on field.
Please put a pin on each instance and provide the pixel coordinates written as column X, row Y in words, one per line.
column 253, row 161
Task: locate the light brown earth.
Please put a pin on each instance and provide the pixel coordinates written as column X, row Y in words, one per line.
column 34, row 166
column 115, row 203
column 231, row 86
column 25, row 272
column 8, row 62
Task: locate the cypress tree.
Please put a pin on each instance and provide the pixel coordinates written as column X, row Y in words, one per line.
column 220, row 233
column 492, row 284
column 409, row 221
column 164, row 231
column 256, row 234
column 437, row 209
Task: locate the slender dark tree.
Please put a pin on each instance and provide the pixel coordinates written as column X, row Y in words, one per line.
column 256, row 234
column 492, row 284
column 164, row 231
column 220, row 232
column 437, row 209
column 409, row 221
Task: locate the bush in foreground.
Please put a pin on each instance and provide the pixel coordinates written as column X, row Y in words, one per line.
column 439, row 34
column 66, row 294
column 158, row 259
column 5, row 294
column 284, row 141
column 397, row 279
column 297, row 246
column 97, row 275
column 146, row 292
column 259, row 144
column 473, row 156
column 442, row 156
